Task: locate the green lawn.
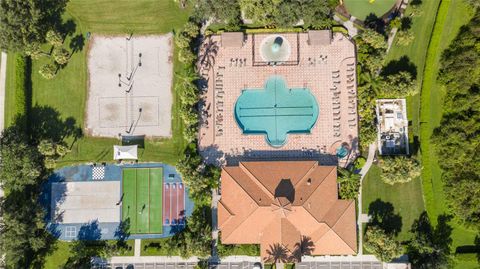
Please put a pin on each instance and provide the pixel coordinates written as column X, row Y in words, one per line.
column 126, row 16
column 59, row 257
column 414, row 55
column 451, row 16
column 406, row 199
column 66, row 93
column 425, row 111
column 154, row 247
column 142, row 204
column 362, row 8
column 10, row 89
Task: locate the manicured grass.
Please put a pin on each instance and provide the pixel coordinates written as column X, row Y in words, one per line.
column 59, row 257
column 154, row 247
column 415, row 54
column 142, row 199
column 451, row 16
column 126, row 16
column 156, row 200
column 10, row 89
column 67, row 92
column 406, row 199
column 362, row 8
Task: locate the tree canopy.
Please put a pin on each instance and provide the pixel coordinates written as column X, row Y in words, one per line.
column 383, row 246
column 284, row 13
column 457, row 140
column 23, row 22
column 399, row 169
column 429, row 246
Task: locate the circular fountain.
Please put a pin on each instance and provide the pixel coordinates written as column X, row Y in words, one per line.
column 275, row 48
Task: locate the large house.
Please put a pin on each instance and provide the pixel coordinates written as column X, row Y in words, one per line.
column 291, row 205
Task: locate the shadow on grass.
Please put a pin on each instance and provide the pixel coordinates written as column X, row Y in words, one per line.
column 402, row 64
column 382, row 215
column 430, row 246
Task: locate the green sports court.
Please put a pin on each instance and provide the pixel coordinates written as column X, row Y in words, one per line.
column 142, row 199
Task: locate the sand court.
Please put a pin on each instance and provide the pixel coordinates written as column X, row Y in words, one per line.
column 130, row 81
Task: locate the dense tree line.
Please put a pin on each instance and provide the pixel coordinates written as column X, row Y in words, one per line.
column 26, row 22
column 22, row 230
column 457, row 140
column 314, row 14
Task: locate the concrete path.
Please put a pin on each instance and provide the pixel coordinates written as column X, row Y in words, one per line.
column 138, row 247
column 371, row 155
column 352, row 30
column 215, row 199
column 3, row 75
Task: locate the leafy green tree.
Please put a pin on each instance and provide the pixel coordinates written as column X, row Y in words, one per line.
column 399, row 169
column 372, row 82
column 456, row 141
column 34, row 51
column 22, row 164
column 61, row 55
column 196, row 238
column 223, row 11
column 54, row 38
column 23, row 22
column 22, row 232
column 383, row 246
column 429, row 247
column 349, row 184
column 404, row 38
column 399, row 85
column 286, row 13
column 48, row 71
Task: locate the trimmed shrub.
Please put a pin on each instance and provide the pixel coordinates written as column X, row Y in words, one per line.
column 20, row 85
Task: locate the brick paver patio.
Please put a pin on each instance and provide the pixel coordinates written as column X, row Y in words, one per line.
column 327, row 70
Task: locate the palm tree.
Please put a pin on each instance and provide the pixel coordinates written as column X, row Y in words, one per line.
column 208, row 53
column 371, row 81
column 277, row 253
column 304, row 247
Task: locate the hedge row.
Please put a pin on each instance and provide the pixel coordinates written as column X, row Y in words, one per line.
column 21, row 105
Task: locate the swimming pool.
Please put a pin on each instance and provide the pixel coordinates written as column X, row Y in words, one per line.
column 276, row 111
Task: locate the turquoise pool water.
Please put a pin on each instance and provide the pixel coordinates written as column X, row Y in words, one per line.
column 276, row 111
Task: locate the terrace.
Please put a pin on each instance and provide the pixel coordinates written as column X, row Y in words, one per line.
column 392, row 127
column 322, row 62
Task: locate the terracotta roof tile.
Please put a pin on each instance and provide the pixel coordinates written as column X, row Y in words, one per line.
column 270, row 203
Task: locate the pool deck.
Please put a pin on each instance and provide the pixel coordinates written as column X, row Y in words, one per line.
column 104, row 230
column 318, row 68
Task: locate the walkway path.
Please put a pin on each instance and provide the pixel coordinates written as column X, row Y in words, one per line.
column 3, row 72
column 352, row 30
column 371, row 155
column 138, row 247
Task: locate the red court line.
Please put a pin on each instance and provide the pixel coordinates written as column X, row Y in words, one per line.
column 174, row 201
column 181, row 202
column 166, row 203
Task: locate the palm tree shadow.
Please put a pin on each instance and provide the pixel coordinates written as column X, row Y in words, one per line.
column 277, row 253
column 304, row 247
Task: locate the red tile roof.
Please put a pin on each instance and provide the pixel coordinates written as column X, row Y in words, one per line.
column 271, row 203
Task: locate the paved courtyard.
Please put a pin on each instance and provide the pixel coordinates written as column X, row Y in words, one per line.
column 129, row 89
column 326, row 67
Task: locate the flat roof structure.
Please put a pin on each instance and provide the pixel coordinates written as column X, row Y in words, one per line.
column 83, row 202
column 286, row 204
column 392, row 127
column 320, row 61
